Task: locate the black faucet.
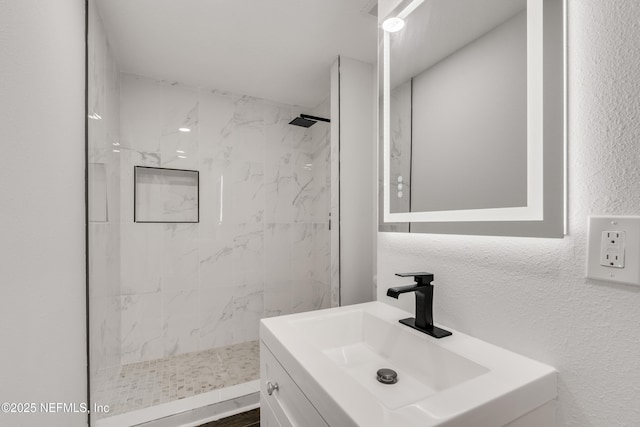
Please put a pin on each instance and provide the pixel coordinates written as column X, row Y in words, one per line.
column 423, row 289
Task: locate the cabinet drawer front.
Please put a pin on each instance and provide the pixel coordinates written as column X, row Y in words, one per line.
column 290, row 406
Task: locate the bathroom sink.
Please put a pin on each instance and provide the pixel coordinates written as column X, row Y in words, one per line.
column 360, row 344
column 334, row 356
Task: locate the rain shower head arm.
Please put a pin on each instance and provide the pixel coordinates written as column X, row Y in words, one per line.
column 317, row 119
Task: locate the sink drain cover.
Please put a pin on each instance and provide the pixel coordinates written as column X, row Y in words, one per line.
column 387, row 376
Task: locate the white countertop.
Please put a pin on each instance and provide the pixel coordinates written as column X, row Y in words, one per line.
column 501, row 385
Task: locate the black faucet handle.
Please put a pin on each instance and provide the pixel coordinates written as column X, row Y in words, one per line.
column 421, row 278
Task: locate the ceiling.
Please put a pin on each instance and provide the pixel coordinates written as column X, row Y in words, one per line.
column 279, row 50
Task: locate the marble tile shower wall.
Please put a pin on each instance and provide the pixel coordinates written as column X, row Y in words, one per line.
column 261, row 247
column 104, row 192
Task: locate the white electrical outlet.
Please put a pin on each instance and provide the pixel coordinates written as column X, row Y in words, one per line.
column 613, row 251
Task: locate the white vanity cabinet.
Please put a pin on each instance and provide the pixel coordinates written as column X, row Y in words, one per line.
column 267, row 417
column 282, row 402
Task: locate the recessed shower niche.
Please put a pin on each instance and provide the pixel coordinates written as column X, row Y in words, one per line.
column 165, row 195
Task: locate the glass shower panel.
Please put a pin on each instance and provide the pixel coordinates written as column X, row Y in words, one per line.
column 174, row 306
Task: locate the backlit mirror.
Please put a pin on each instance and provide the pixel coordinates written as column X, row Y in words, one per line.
column 472, row 118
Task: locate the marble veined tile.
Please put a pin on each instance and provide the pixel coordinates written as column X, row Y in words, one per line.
column 180, row 322
column 180, row 303
column 141, row 113
column 180, row 257
column 303, row 254
column 97, row 82
column 279, row 190
column 276, row 114
column 248, row 142
column 98, row 261
column 249, row 111
column 320, row 206
column 278, row 252
column 278, row 298
column 105, row 332
column 304, row 191
column 217, row 110
column 308, row 295
column 278, row 176
column 216, row 255
column 98, row 211
column 214, row 183
column 322, row 252
column 248, row 250
column 245, row 132
column 320, row 136
column 180, row 334
column 216, row 316
column 244, row 192
column 128, row 160
column 301, row 137
column 110, row 332
column 179, row 143
column 141, row 258
column 248, row 306
column 114, row 198
column 141, row 326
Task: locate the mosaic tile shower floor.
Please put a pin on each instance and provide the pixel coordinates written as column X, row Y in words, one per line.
column 141, row 385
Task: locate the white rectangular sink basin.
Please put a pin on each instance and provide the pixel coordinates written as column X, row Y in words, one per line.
column 458, row 380
column 360, row 344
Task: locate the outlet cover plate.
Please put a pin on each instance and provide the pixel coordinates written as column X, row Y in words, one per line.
column 630, row 225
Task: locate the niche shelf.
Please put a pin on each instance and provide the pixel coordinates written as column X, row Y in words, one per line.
column 164, row 195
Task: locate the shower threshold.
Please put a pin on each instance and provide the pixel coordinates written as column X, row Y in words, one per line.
column 191, row 411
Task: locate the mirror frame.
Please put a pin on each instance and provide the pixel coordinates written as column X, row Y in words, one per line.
column 544, row 215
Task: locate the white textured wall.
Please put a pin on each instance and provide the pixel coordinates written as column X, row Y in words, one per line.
column 42, row 285
column 530, row 295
